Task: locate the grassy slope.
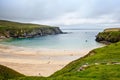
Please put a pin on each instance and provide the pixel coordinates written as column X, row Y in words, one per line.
column 7, row 73
column 20, row 25
column 16, row 26
column 112, row 29
column 102, row 64
column 103, row 56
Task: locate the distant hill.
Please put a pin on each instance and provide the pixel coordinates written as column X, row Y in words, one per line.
column 9, row 29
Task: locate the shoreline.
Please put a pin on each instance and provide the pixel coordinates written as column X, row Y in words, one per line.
column 42, row 62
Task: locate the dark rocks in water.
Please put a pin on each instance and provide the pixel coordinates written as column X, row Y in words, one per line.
column 105, row 42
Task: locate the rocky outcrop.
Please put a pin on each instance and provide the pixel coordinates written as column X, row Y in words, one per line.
column 108, row 36
column 20, row 30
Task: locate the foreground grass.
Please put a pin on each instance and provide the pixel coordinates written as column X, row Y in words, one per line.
column 7, row 73
column 106, row 55
column 95, row 72
column 99, row 64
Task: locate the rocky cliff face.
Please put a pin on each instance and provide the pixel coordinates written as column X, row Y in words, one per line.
column 109, row 36
column 19, row 30
column 41, row 32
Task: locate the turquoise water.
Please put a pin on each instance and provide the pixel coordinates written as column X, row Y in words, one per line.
column 74, row 40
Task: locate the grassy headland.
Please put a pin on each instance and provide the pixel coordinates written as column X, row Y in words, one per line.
column 10, row 29
column 7, row 73
column 111, row 29
column 110, row 35
column 99, row 64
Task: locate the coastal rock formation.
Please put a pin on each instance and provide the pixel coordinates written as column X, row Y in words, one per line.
column 19, row 30
column 110, row 35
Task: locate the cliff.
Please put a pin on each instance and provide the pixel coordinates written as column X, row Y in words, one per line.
column 10, row 29
column 110, row 35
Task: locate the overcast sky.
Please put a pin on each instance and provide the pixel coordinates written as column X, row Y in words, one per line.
column 62, row 12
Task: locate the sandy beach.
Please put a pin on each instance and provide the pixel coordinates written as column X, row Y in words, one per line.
column 37, row 62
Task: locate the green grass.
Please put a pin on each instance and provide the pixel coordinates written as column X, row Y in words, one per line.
column 111, row 29
column 7, row 73
column 20, row 25
column 107, row 54
column 95, row 72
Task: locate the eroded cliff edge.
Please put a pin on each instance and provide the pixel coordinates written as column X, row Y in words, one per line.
column 10, row 29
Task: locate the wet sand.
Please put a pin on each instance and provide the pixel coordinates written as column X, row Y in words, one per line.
column 37, row 62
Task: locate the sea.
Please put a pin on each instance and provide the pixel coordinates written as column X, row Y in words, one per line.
column 74, row 39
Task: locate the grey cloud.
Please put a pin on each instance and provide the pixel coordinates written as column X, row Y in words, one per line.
column 34, row 9
column 37, row 10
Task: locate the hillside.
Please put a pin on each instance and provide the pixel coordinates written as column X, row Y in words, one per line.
column 99, row 64
column 10, row 29
column 110, row 35
column 7, row 73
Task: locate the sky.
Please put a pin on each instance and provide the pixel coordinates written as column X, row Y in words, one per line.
column 62, row 12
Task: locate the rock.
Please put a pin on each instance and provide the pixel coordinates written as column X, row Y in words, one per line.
column 2, row 37
column 83, row 67
column 97, row 63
